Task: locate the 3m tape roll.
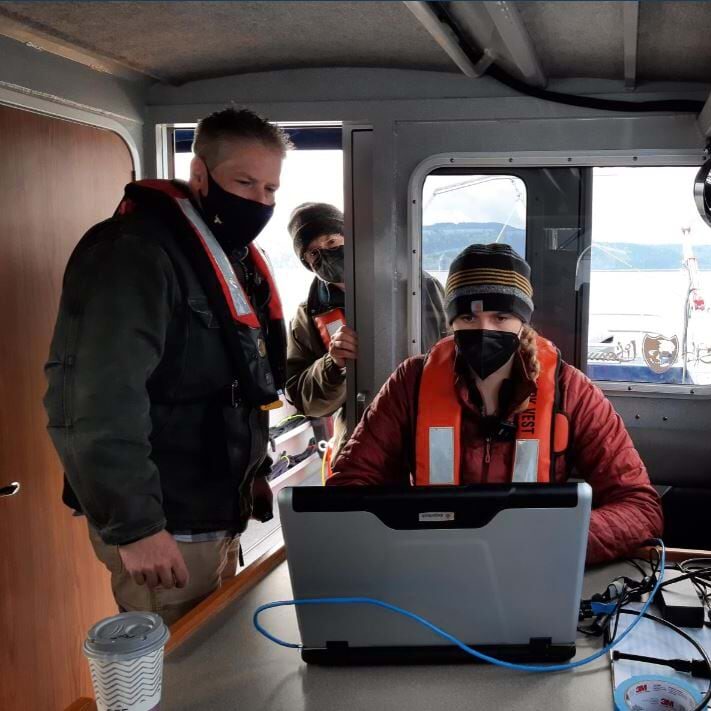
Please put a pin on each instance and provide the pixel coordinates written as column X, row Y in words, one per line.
column 652, row 693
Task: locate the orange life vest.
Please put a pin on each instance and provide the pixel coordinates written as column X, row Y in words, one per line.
column 260, row 377
column 542, row 431
column 237, row 301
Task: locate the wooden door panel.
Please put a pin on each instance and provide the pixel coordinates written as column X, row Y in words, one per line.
column 56, row 180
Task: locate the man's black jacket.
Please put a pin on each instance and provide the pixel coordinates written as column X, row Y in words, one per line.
column 139, row 381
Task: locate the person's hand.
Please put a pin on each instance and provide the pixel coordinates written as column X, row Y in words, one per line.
column 344, row 346
column 155, row 561
column 262, row 500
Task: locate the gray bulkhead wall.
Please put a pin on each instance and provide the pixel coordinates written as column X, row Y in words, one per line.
column 46, row 83
column 415, row 115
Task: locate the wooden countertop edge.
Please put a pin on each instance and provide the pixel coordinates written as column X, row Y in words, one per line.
column 229, row 591
column 674, row 555
column 82, row 704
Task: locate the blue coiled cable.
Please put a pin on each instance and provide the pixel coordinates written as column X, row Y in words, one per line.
column 597, row 608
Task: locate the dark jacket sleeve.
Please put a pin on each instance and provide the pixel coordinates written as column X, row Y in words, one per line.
column 434, row 316
column 380, row 449
column 315, row 385
column 626, row 507
column 116, row 304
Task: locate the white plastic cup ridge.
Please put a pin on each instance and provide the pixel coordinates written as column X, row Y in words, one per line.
column 125, row 654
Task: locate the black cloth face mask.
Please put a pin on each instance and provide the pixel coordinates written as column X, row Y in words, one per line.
column 235, row 221
column 485, row 351
column 330, row 265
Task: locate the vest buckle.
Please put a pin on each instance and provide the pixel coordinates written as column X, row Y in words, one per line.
column 235, row 398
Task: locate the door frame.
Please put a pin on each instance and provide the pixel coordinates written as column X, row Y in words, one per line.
column 76, row 114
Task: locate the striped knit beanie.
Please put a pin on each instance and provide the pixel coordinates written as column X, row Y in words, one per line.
column 489, row 277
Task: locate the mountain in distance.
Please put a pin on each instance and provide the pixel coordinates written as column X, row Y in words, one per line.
column 442, row 242
column 651, row 257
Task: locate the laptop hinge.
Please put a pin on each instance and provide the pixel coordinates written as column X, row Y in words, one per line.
column 337, row 645
column 540, row 645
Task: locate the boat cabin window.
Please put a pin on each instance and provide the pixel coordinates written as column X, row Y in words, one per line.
column 649, row 268
column 459, row 210
column 620, row 258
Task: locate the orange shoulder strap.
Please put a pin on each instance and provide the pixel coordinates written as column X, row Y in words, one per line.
column 439, row 416
column 538, row 422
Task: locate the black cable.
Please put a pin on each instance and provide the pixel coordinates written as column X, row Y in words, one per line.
column 675, row 105
column 691, row 566
column 695, row 667
column 633, row 562
column 702, row 584
column 707, row 697
column 624, row 598
column 501, row 75
column 628, row 591
column 699, row 583
column 703, row 572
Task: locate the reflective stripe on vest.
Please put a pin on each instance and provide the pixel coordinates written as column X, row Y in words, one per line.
column 328, row 323
column 237, row 301
column 540, row 429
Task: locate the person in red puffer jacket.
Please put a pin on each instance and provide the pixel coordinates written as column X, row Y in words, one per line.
column 494, row 403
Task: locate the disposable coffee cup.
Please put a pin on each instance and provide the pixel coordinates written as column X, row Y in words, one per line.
column 125, row 654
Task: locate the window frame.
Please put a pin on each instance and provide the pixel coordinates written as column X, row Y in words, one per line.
column 299, row 132
column 544, row 159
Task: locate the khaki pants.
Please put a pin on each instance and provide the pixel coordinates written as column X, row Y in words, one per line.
column 208, row 562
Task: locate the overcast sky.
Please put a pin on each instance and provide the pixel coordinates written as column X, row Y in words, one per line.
column 644, row 205
column 492, row 198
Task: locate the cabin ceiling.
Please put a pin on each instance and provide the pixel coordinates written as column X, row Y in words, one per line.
column 176, row 42
column 184, row 41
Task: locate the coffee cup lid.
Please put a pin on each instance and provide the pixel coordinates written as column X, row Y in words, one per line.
column 126, row 636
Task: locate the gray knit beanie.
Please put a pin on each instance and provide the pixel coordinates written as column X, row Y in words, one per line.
column 311, row 220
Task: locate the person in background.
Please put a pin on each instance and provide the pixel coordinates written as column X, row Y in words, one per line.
column 511, row 410
column 320, row 343
column 167, row 354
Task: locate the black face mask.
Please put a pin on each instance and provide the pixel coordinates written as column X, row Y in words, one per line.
column 485, row 351
column 235, row 221
column 330, row 265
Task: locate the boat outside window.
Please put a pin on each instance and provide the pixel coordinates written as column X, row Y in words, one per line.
column 649, row 266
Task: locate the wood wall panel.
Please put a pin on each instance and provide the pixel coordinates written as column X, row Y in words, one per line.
column 56, row 179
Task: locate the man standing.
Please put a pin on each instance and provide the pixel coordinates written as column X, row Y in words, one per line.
column 168, row 352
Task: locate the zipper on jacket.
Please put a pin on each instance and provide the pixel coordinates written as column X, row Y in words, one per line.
column 487, row 451
column 487, row 460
